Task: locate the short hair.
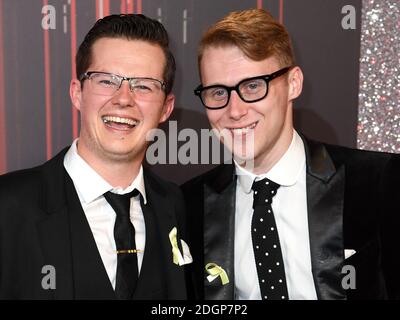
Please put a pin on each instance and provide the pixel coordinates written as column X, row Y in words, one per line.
column 130, row 27
column 255, row 32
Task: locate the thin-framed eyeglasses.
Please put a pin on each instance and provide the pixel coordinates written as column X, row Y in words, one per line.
column 107, row 84
column 249, row 90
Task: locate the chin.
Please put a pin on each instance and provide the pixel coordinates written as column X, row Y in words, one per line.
column 245, row 152
column 239, row 157
column 116, row 152
column 120, row 156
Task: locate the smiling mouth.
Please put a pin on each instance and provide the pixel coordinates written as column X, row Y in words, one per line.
column 243, row 130
column 119, row 122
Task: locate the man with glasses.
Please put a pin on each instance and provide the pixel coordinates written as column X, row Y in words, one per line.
column 291, row 218
column 91, row 223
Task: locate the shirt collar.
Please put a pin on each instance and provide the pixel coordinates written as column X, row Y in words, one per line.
column 285, row 172
column 89, row 183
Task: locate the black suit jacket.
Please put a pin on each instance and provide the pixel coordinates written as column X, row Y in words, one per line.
column 42, row 223
column 352, row 199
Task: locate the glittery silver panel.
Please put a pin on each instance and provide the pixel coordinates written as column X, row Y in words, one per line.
column 379, row 95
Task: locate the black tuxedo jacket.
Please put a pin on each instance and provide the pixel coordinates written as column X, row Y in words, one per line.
column 43, row 224
column 353, row 203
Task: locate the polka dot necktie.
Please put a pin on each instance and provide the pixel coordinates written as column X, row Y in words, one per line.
column 267, row 250
column 124, row 234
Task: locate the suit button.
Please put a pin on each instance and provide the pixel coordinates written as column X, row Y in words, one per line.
column 323, row 256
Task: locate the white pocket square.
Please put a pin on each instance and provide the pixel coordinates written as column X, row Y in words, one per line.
column 187, row 257
column 348, row 253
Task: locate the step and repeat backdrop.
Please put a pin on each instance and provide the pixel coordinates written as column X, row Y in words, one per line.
column 349, row 51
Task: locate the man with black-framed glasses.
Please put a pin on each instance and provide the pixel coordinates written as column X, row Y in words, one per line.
column 92, row 223
column 291, row 218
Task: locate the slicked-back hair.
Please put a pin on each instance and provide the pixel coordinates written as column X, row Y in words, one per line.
column 129, row 27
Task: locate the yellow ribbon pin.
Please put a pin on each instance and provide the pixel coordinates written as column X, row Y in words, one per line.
column 176, row 255
column 216, row 271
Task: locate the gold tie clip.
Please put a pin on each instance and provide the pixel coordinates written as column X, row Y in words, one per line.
column 129, row 251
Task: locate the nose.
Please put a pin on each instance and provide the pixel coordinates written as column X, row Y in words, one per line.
column 124, row 95
column 236, row 107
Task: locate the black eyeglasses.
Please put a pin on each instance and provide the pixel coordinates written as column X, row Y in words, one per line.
column 249, row 90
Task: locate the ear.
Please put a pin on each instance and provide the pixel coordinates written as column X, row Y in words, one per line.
column 295, row 79
column 168, row 107
column 75, row 93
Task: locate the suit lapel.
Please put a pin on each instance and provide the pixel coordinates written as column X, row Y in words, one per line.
column 161, row 215
column 54, row 238
column 219, row 231
column 53, row 228
column 325, row 196
column 150, row 277
column 90, row 277
column 66, row 239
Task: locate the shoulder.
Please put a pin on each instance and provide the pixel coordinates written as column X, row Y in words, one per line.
column 19, row 195
column 20, row 182
column 13, row 181
column 25, row 187
column 360, row 160
column 357, row 155
column 363, row 163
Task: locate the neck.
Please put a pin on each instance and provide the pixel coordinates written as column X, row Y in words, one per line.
column 117, row 173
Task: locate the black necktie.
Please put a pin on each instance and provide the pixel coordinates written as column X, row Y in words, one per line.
column 124, row 234
column 267, row 250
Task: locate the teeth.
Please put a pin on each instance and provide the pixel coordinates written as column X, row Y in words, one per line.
column 240, row 131
column 244, row 130
column 119, row 120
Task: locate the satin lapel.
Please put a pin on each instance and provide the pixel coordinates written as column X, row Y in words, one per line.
column 165, row 218
column 150, row 277
column 219, row 232
column 90, row 277
column 325, row 196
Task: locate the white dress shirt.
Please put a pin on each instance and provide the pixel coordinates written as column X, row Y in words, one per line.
column 90, row 187
column 290, row 211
